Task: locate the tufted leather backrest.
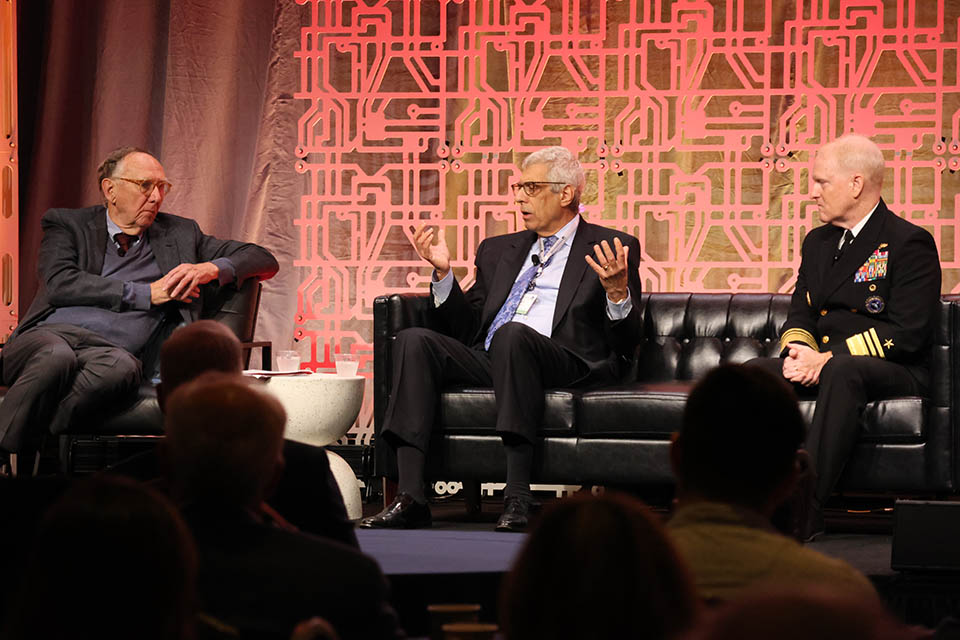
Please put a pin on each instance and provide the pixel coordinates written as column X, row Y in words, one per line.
column 687, row 334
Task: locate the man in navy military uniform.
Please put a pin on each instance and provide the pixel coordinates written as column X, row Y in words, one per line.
column 862, row 315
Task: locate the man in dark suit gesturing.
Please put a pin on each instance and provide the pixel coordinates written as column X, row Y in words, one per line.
column 861, row 318
column 114, row 281
column 556, row 305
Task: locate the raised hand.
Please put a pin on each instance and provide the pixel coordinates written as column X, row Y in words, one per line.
column 432, row 247
column 611, row 267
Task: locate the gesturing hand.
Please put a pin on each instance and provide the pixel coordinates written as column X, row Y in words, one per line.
column 432, row 247
column 611, row 267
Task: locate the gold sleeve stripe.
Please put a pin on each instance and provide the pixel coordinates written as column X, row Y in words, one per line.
column 865, row 344
column 857, row 346
column 798, row 335
column 872, row 336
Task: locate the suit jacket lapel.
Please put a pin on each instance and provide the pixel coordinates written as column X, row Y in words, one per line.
column 575, row 268
column 163, row 246
column 508, row 268
column 96, row 240
column 857, row 253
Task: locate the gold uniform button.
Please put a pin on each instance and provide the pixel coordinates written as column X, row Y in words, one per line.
column 823, row 312
column 872, row 287
column 825, row 339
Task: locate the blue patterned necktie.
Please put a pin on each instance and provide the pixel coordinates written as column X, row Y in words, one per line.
column 509, row 307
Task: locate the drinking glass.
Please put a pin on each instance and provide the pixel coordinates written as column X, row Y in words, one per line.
column 347, row 364
column 288, row 361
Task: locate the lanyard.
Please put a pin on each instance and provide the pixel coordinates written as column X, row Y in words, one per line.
column 544, row 260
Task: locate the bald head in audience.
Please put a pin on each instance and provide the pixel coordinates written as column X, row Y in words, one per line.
column 196, row 348
column 224, row 440
column 738, row 440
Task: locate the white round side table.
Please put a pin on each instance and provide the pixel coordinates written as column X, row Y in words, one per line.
column 321, row 408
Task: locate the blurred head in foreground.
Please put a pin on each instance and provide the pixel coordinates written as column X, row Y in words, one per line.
column 739, row 438
column 205, row 345
column 597, row 567
column 224, row 441
column 112, row 559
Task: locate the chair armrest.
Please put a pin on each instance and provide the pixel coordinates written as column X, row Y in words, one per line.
column 266, row 353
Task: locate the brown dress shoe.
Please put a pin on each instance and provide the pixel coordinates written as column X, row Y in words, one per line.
column 403, row 513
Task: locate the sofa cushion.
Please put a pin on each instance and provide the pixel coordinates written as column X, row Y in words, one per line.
column 638, row 410
column 894, row 420
column 474, row 410
column 654, row 410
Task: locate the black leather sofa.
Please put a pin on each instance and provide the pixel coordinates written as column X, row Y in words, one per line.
column 620, row 435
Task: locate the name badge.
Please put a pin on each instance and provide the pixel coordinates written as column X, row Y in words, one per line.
column 526, row 302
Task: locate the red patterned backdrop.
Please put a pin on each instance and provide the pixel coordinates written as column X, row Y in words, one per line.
column 696, row 121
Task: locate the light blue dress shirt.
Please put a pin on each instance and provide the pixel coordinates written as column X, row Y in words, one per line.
column 540, row 316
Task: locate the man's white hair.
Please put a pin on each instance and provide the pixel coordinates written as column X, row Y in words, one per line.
column 563, row 167
column 854, row 153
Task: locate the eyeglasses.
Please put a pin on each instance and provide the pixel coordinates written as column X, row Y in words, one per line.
column 147, row 186
column 531, row 188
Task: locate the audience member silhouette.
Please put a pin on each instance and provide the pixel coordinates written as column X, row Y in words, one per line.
column 222, row 453
column 112, row 560
column 597, row 568
column 803, row 613
column 736, row 461
column 306, row 494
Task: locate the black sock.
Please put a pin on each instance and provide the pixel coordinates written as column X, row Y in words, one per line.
column 410, row 463
column 519, row 468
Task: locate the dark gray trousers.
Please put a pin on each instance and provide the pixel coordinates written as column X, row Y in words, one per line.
column 56, row 373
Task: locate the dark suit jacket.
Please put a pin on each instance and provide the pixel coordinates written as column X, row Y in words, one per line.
column 878, row 300
column 263, row 580
column 75, row 241
column 580, row 322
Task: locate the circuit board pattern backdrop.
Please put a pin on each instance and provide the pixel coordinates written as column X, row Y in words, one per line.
column 696, row 121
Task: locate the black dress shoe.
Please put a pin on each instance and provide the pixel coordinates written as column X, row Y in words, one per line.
column 403, row 513
column 516, row 514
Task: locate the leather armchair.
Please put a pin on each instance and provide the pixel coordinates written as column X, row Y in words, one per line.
column 94, row 443
column 621, row 434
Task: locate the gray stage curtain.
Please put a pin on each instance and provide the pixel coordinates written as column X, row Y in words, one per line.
column 208, row 87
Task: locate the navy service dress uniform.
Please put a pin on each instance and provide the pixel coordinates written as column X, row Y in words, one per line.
column 874, row 308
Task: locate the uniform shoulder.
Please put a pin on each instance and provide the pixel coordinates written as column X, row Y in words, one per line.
column 906, row 227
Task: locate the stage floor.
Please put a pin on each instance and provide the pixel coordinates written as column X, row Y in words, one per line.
column 461, row 559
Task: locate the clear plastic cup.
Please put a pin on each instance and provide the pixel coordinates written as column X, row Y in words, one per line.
column 288, row 361
column 347, row 364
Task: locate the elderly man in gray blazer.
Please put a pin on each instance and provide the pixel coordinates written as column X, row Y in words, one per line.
column 114, row 281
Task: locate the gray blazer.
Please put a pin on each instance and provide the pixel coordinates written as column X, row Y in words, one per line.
column 75, row 241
